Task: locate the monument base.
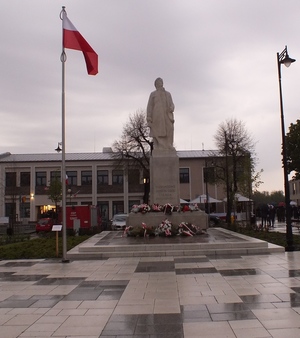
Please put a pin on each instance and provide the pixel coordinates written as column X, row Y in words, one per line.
column 164, row 177
column 198, row 218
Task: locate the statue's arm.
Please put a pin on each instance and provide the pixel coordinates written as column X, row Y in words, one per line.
column 171, row 104
column 172, row 108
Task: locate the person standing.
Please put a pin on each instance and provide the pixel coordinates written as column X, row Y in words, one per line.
column 272, row 213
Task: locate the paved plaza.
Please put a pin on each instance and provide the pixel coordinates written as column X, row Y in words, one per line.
column 150, row 297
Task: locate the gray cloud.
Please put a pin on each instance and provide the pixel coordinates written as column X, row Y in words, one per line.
column 217, row 58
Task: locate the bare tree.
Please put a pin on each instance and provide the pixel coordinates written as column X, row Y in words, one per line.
column 236, row 168
column 134, row 148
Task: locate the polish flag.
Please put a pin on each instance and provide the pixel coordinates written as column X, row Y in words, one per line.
column 67, row 182
column 72, row 39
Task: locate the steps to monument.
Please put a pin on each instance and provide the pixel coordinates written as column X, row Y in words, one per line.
column 107, row 245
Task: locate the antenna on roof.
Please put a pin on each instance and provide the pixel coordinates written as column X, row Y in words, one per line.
column 202, row 146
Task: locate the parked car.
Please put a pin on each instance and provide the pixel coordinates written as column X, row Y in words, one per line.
column 118, row 222
column 44, row 224
column 214, row 220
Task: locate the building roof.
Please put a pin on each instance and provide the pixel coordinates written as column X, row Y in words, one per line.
column 97, row 156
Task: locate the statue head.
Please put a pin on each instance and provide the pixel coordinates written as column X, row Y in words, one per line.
column 158, row 83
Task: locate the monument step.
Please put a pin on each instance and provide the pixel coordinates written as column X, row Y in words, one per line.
column 171, row 248
column 175, row 253
column 217, row 242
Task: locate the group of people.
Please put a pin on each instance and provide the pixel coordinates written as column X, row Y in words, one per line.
column 268, row 213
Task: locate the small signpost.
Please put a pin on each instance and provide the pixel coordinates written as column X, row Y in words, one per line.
column 57, row 228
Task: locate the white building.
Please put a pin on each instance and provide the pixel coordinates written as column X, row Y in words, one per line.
column 92, row 179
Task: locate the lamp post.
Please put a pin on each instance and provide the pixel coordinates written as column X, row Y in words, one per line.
column 60, row 147
column 228, row 211
column 283, row 58
column 206, row 174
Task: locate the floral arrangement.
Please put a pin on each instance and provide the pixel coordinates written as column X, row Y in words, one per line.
column 141, row 231
column 148, row 230
column 193, row 207
column 165, row 229
column 143, row 208
column 187, row 229
column 166, row 209
column 156, row 208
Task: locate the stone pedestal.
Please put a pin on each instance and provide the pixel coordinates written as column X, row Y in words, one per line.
column 198, row 218
column 164, row 177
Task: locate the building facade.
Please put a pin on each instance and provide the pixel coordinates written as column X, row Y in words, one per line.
column 92, row 179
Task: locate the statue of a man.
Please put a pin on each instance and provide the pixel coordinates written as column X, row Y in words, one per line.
column 160, row 117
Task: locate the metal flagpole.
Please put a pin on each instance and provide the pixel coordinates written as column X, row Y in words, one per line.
column 63, row 59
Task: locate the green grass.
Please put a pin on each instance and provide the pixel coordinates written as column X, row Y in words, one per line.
column 22, row 247
column 38, row 247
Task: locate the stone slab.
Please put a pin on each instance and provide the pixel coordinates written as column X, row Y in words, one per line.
column 198, row 218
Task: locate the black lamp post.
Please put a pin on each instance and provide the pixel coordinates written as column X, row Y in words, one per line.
column 283, row 58
column 228, row 211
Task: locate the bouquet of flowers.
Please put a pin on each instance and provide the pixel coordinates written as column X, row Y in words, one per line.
column 135, row 208
column 164, row 228
column 193, row 207
column 168, row 209
column 156, row 208
column 148, row 230
column 143, row 208
column 186, row 208
column 187, row 229
column 127, row 231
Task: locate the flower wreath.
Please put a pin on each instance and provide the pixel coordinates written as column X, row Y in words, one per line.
column 164, row 228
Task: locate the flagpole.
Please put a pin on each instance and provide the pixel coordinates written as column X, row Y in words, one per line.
column 63, row 59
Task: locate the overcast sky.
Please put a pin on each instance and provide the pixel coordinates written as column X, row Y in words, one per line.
column 216, row 57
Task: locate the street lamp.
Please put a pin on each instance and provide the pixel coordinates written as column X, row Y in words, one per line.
column 283, row 58
column 58, row 149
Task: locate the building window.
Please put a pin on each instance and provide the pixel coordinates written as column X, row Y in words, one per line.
column 118, row 207
column 55, row 175
column 117, row 177
column 10, row 210
column 72, row 177
column 41, row 178
column 184, row 175
column 134, row 177
column 209, row 174
column 25, row 210
column 25, row 179
column 10, row 180
column 86, row 177
column 102, row 177
column 131, row 203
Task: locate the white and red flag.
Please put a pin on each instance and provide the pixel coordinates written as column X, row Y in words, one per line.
column 72, row 39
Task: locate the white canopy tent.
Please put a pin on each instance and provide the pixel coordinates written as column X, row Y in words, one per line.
column 240, row 198
column 202, row 199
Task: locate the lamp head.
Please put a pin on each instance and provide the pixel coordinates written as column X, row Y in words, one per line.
column 58, row 149
column 284, row 58
column 287, row 61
